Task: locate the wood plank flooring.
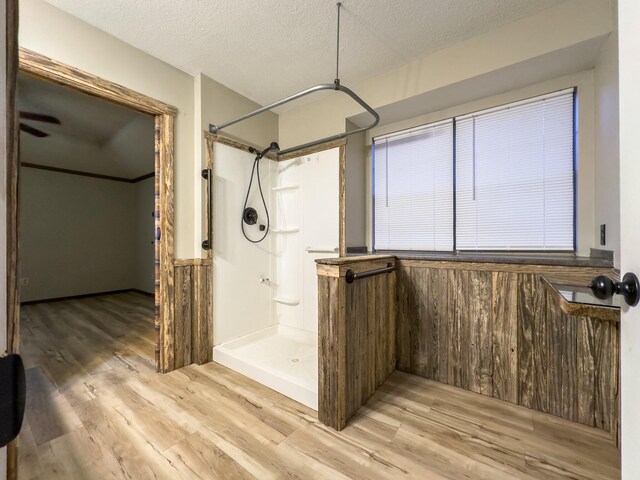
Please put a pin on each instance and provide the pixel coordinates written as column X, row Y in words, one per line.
column 97, row 409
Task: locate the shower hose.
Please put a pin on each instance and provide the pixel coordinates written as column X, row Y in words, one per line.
column 255, row 170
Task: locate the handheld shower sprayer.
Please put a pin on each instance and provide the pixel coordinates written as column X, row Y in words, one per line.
column 249, row 214
column 274, row 147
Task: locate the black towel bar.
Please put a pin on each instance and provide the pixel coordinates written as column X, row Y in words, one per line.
column 350, row 276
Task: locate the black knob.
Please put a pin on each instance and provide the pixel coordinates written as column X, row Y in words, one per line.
column 603, row 288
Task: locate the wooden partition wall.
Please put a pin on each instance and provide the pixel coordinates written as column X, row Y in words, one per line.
column 356, row 336
column 191, row 340
column 499, row 330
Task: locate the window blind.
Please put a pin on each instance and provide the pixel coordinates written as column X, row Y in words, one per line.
column 413, row 189
column 515, row 176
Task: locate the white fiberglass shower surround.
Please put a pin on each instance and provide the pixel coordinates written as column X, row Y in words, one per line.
column 265, row 294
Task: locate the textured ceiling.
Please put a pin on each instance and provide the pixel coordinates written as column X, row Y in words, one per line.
column 94, row 135
column 266, row 50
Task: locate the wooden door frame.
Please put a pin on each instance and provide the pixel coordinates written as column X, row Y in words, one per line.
column 45, row 68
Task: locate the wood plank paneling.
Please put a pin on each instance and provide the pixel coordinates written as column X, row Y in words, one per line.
column 503, row 333
column 183, row 315
column 533, row 344
column 504, row 300
column 356, row 339
column 192, row 340
column 480, row 328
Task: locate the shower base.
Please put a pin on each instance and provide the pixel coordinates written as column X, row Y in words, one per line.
column 282, row 358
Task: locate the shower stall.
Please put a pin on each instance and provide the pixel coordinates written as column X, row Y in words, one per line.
column 265, row 295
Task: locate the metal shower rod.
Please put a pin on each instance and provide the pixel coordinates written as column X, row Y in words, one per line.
column 324, row 86
column 317, row 88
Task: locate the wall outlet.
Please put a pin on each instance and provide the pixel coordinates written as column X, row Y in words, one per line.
column 24, row 281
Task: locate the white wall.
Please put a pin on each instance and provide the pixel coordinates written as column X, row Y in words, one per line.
column 215, row 104
column 78, row 235
column 356, row 194
column 241, row 304
column 607, row 166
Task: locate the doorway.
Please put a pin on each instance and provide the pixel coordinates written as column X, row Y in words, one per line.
column 35, row 65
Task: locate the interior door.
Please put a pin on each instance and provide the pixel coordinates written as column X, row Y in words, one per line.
column 629, row 24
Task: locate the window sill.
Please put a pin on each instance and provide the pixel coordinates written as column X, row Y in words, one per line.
column 557, row 259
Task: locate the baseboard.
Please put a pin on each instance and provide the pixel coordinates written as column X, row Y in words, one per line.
column 142, row 292
column 87, row 295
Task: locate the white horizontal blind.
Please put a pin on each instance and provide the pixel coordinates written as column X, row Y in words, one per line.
column 413, row 189
column 515, row 176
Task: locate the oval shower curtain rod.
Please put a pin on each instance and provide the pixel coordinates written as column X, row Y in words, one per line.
column 317, row 88
column 325, row 86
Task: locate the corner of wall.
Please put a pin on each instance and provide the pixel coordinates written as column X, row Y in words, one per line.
column 607, row 146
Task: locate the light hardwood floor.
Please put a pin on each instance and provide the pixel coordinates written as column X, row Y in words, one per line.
column 97, row 409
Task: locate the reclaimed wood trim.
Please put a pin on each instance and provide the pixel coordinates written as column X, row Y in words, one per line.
column 342, row 201
column 353, row 260
column 39, row 65
column 239, row 144
column 327, row 268
column 507, row 267
column 604, row 313
column 314, row 149
column 189, row 262
column 11, row 174
column 86, row 174
column 164, row 123
column 157, row 226
column 208, row 202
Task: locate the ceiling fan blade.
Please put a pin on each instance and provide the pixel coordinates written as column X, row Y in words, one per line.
column 39, row 117
column 33, row 131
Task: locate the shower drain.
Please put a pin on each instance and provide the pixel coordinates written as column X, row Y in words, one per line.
column 295, row 360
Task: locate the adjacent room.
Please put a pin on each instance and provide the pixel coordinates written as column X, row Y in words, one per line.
column 87, row 245
column 355, row 240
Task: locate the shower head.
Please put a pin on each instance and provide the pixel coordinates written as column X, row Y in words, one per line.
column 274, row 147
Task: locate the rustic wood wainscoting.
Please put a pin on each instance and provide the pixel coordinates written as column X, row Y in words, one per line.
column 192, row 337
column 356, row 336
column 498, row 330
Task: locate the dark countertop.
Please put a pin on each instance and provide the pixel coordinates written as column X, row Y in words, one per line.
column 350, row 259
column 565, row 260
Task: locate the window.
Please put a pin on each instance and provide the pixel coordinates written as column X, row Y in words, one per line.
column 413, row 189
column 513, row 181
